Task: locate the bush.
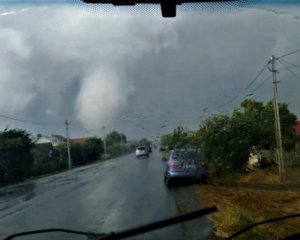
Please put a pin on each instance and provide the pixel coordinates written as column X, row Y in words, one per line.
column 16, row 160
column 118, row 150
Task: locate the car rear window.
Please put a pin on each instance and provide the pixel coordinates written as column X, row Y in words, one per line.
column 141, row 148
column 187, row 155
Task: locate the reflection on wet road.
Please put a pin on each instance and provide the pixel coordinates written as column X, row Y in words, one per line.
column 103, row 197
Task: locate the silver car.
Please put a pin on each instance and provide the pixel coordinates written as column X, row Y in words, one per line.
column 142, row 151
column 185, row 164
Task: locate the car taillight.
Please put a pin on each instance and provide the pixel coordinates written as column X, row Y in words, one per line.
column 174, row 165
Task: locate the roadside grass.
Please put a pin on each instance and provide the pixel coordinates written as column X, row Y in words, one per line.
column 182, row 208
column 243, row 199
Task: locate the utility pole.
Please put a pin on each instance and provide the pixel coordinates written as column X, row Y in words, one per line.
column 279, row 148
column 104, row 142
column 68, row 143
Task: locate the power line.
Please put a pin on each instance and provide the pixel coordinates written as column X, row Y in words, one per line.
column 86, row 130
column 257, row 76
column 292, row 64
column 260, row 85
column 56, row 130
column 227, row 103
column 289, row 70
column 246, row 88
column 28, row 121
column 288, row 54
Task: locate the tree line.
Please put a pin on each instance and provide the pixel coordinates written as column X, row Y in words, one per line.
column 225, row 140
column 20, row 158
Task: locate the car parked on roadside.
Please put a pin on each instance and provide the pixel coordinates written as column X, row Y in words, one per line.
column 185, row 164
column 142, row 151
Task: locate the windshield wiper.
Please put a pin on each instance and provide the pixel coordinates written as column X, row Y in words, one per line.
column 126, row 233
column 157, row 225
column 265, row 222
column 168, row 7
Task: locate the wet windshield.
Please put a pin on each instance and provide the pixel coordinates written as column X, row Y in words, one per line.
column 186, row 155
column 95, row 99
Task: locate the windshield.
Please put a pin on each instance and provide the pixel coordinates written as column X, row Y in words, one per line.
column 86, row 89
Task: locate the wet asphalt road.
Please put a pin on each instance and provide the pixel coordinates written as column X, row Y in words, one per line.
column 103, row 197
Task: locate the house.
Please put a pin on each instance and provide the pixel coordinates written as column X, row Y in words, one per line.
column 78, row 140
column 55, row 140
column 297, row 128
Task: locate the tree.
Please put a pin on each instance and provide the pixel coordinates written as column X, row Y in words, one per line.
column 76, row 155
column 61, row 152
column 178, row 138
column 226, row 140
column 115, row 143
column 213, row 138
column 144, row 142
column 166, row 140
column 92, row 149
column 113, row 138
column 123, row 138
column 81, row 154
column 47, row 162
column 16, row 160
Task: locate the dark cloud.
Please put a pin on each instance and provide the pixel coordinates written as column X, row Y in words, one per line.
column 134, row 74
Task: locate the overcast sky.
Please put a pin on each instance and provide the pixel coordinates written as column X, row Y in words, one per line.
column 137, row 74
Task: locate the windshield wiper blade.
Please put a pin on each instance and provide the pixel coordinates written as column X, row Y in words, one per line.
column 159, row 224
column 46, row 231
column 126, row 233
column 261, row 223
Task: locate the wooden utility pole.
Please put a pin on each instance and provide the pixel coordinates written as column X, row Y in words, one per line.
column 278, row 135
column 68, row 143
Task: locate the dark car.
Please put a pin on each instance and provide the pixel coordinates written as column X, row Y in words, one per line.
column 185, row 164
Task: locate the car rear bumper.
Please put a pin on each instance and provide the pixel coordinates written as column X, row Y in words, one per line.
column 142, row 155
column 196, row 175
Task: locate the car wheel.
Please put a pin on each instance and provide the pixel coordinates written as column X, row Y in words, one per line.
column 168, row 181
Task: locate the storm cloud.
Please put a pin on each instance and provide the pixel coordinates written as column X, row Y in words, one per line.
column 131, row 73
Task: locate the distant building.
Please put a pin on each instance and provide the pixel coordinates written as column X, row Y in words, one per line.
column 55, row 140
column 78, row 140
column 297, row 128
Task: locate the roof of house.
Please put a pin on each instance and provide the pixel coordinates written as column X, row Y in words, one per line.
column 52, row 138
column 297, row 128
column 78, row 140
column 58, row 137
